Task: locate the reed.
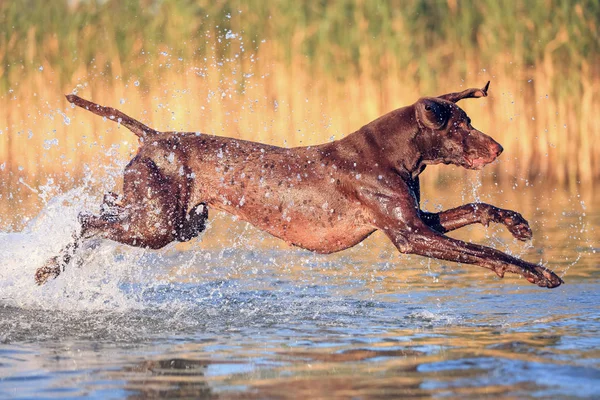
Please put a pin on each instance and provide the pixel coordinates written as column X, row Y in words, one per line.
column 297, row 73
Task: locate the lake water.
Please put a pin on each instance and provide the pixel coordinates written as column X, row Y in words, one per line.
column 236, row 314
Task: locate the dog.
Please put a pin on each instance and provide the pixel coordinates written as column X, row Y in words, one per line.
column 323, row 198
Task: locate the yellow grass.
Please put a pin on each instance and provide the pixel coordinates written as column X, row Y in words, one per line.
column 545, row 137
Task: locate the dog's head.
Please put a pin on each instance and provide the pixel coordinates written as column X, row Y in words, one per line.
column 446, row 135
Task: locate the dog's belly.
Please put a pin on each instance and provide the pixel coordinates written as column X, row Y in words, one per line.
column 325, row 241
column 311, row 219
column 306, row 231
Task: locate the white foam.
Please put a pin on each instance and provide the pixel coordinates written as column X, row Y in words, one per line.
column 434, row 317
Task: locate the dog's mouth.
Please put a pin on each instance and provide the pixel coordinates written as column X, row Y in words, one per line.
column 477, row 163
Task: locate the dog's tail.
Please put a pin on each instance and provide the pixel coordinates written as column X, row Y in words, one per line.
column 133, row 125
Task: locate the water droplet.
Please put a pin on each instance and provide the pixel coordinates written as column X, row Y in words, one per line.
column 49, row 143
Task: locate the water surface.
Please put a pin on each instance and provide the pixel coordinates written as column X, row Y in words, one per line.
column 237, row 314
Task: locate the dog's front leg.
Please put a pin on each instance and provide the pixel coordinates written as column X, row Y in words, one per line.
column 420, row 239
column 396, row 212
column 478, row 213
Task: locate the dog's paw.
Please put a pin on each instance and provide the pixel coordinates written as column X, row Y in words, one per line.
column 84, row 218
column 543, row 277
column 536, row 274
column 49, row 271
column 515, row 223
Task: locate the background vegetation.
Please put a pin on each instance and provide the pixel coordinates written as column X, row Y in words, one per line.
column 297, row 72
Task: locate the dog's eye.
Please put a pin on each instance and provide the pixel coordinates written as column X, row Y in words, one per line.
column 428, row 107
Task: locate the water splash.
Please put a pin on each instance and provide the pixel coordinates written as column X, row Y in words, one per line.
column 91, row 287
column 108, row 277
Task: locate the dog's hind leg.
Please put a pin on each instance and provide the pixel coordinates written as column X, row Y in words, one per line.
column 57, row 264
column 193, row 224
column 150, row 216
column 54, row 266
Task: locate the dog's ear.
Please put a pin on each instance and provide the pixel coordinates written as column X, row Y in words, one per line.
column 466, row 94
column 432, row 113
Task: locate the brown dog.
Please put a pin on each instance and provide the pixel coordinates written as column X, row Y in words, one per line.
column 322, row 198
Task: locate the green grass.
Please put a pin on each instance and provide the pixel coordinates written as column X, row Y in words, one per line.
column 332, row 35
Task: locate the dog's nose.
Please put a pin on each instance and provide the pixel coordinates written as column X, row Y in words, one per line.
column 497, row 149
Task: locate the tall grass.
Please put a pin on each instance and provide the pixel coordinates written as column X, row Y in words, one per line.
column 291, row 73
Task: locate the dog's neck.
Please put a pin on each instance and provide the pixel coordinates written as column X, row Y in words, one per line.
column 390, row 140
